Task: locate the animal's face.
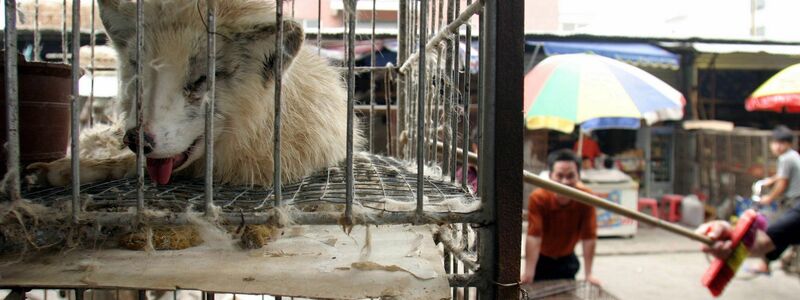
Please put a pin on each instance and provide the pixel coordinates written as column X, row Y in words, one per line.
column 174, row 77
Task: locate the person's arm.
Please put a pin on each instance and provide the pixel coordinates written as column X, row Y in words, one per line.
column 533, row 238
column 719, row 231
column 777, row 190
column 532, row 246
column 770, row 180
column 589, row 242
column 588, row 259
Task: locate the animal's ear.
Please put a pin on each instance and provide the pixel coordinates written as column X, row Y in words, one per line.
column 260, row 43
column 119, row 20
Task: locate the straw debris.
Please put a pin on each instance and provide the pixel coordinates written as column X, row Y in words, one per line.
column 163, row 238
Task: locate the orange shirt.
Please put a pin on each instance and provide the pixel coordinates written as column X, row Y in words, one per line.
column 560, row 227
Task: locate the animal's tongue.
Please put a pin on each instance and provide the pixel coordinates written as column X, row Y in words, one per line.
column 160, row 169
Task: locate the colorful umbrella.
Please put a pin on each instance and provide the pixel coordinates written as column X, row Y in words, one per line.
column 780, row 93
column 565, row 90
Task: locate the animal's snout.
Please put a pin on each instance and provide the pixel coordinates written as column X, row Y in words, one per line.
column 132, row 140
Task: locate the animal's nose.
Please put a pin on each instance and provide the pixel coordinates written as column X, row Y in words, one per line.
column 132, row 140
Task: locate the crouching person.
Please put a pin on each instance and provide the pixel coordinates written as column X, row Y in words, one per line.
column 556, row 224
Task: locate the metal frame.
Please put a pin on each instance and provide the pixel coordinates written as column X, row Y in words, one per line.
column 500, row 93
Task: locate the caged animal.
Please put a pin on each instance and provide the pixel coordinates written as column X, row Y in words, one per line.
column 175, row 80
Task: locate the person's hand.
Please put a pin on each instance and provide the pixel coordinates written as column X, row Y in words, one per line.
column 720, row 233
column 526, row 278
column 765, row 200
column 593, row 280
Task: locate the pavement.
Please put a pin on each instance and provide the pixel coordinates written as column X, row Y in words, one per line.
column 656, row 264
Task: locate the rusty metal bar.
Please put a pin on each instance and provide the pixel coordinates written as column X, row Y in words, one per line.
column 12, row 98
column 75, row 107
column 276, row 133
column 211, row 11
column 501, row 121
column 451, row 28
column 319, row 27
column 350, row 6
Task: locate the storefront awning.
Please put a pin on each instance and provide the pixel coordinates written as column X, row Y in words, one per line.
column 638, row 54
column 739, row 56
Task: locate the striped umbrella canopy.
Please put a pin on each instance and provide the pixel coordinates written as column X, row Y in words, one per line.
column 565, row 90
column 779, row 93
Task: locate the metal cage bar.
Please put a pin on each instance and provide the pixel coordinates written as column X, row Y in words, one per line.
column 402, row 35
column 319, row 27
column 372, row 82
column 451, row 28
column 139, row 85
column 37, row 36
column 421, row 105
column 64, row 38
column 12, row 98
column 502, row 94
column 454, row 100
column 211, row 11
column 350, row 6
column 75, row 107
column 276, row 135
column 448, row 103
column 467, row 101
column 92, row 44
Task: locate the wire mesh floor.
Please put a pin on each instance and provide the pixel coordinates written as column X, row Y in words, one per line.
column 381, row 183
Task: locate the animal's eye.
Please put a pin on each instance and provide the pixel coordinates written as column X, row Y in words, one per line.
column 196, row 85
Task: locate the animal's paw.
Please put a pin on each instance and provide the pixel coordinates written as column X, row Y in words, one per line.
column 59, row 172
column 55, row 173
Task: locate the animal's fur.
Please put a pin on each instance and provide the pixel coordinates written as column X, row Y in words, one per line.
column 314, row 99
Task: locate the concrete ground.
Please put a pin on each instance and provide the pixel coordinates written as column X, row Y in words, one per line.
column 659, row 265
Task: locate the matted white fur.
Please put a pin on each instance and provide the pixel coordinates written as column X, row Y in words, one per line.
column 314, row 112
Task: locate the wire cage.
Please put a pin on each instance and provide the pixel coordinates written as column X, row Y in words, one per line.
column 433, row 92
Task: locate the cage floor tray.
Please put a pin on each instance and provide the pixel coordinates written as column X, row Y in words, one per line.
column 308, row 261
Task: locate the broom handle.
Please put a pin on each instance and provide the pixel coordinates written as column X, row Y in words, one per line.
column 595, row 201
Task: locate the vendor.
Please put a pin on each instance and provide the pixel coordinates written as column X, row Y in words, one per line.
column 556, row 224
column 590, row 150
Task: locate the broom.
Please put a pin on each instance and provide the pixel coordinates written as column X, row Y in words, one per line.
column 717, row 275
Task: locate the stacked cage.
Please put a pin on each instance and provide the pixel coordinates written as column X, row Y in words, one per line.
column 423, row 178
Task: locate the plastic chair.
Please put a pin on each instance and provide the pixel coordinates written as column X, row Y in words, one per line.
column 673, row 203
column 649, row 203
